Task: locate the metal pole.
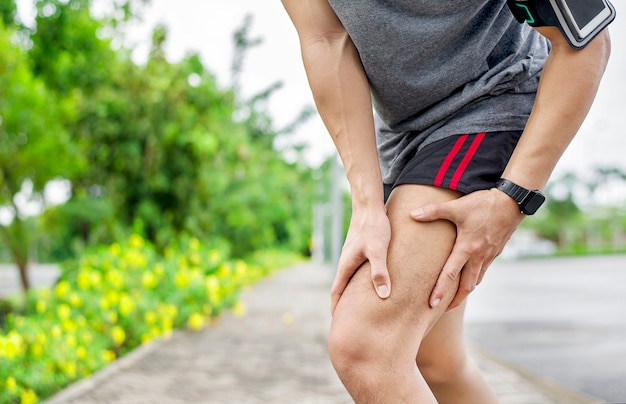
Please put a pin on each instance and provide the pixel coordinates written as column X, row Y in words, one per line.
column 336, row 211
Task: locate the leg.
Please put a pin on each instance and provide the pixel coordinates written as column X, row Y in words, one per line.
column 373, row 343
column 444, row 362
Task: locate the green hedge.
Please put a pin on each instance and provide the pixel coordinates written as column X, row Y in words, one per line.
column 113, row 300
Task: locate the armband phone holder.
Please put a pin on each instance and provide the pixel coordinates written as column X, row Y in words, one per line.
column 578, row 20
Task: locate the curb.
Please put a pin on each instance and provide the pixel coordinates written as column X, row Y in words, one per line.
column 554, row 390
column 75, row 390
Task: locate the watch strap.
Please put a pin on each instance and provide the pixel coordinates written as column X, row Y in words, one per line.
column 528, row 201
column 513, row 190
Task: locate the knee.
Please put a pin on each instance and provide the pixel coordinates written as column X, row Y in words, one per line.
column 346, row 351
column 359, row 361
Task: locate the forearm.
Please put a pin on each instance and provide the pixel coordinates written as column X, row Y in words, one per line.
column 566, row 91
column 342, row 96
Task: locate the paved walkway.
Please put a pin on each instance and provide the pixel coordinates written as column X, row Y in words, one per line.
column 276, row 353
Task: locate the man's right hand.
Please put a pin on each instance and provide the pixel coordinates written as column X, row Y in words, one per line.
column 367, row 240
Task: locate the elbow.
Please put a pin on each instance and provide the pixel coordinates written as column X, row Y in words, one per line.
column 331, row 39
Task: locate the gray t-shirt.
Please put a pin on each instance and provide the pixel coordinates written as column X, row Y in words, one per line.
column 438, row 68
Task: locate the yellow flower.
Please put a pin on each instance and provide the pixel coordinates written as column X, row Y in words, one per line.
column 64, row 312
column 115, row 278
column 155, row 331
column 42, row 338
column 62, row 289
column 135, row 259
column 43, row 293
column 86, row 337
column 81, row 352
column 118, row 335
column 69, row 326
column 149, row 280
column 159, row 270
column 11, row 384
column 196, row 321
column 70, row 369
column 172, row 310
column 114, row 249
column 28, row 397
column 56, row 331
column 167, row 325
column 287, row 318
column 241, row 268
column 11, row 346
column 81, row 321
column 213, row 288
column 195, row 259
column 126, row 304
column 223, row 271
column 41, row 306
column 112, row 317
column 37, row 350
column 84, row 279
column 150, row 317
column 239, row 309
column 136, row 241
column 182, row 262
column 215, row 257
column 194, row 244
column 75, row 300
column 95, row 277
column 70, row 340
column 108, row 356
column 182, row 279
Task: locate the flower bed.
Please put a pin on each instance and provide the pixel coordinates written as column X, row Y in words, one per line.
column 110, row 302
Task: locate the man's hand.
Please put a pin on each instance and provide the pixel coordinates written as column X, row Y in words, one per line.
column 367, row 240
column 485, row 221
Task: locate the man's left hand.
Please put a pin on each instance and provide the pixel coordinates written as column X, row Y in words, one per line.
column 485, row 220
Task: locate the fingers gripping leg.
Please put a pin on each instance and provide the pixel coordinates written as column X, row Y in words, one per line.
column 373, row 342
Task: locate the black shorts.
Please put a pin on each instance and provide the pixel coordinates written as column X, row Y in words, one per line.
column 464, row 163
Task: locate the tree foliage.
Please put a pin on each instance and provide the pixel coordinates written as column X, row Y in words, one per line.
column 157, row 147
column 34, row 145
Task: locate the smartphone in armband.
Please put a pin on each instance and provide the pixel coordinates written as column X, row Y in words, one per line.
column 578, row 20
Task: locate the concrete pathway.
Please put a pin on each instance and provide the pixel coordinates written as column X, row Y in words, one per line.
column 276, row 353
column 563, row 318
column 41, row 275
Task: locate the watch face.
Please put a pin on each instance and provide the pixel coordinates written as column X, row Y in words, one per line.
column 534, row 200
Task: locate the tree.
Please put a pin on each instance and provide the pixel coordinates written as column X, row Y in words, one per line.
column 8, row 9
column 34, row 146
column 165, row 153
column 561, row 217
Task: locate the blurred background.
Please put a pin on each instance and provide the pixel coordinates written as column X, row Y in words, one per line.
column 175, row 128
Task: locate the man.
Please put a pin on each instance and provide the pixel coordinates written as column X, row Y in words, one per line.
column 469, row 106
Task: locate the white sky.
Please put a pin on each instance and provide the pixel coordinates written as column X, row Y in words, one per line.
column 206, row 27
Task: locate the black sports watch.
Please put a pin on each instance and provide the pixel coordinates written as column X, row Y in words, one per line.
column 528, row 201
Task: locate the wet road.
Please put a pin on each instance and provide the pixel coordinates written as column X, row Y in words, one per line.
column 561, row 318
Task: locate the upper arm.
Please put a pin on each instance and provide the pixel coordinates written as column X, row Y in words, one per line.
column 600, row 43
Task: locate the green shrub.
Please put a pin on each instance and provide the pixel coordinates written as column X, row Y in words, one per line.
column 112, row 300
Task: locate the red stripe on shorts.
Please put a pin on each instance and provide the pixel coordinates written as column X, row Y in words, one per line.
column 449, row 159
column 454, row 183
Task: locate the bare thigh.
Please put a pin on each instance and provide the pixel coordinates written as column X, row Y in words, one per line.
column 393, row 328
